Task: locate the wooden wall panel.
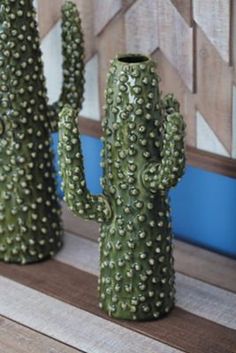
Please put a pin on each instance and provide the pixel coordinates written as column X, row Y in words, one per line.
column 176, row 41
column 185, row 9
column 172, row 82
column 142, row 38
column 104, row 12
column 107, row 49
column 214, row 89
column 48, row 14
column 193, row 40
column 213, row 17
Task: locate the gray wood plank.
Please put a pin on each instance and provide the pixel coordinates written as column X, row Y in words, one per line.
column 194, row 296
column 71, row 325
column 15, row 338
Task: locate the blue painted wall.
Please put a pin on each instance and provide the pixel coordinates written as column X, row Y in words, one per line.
column 203, row 203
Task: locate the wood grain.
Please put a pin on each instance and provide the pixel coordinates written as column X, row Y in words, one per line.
column 211, row 162
column 171, row 82
column 15, row 338
column 193, row 295
column 107, row 49
column 214, row 19
column 90, row 127
column 205, row 265
column 195, row 157
column 177, row 48
column 207, row 140
column 104, row 12
column 142, row 38
column 234, row 122
column 185, row 9
column 76, row 225
column 214, row 90
column 189, row 260
column 70, row 324
column 78, row 288
column 80, row 253
column 49, row 13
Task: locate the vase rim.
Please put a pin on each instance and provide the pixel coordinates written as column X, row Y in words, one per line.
column 132, row 58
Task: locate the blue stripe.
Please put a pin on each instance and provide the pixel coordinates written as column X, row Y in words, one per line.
column 203, row 203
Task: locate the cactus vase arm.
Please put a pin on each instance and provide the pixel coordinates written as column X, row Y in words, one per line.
column 73, row 64
column 77, row 196
column 165, row 174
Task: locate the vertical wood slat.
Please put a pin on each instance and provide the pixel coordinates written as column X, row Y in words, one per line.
column 107, row 49
column 214, row 90
column 185, row 9
column 142, row 37
column 176, row 41
column 104, row 12
column 214, row 19
column 136, row 29
column 48, row 14
column 171, row 82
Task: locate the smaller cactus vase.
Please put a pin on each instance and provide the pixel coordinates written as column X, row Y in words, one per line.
column 30, row 222
column 143, row 157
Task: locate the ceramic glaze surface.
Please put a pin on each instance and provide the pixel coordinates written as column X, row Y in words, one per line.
column 30, row 226
column 143, row 156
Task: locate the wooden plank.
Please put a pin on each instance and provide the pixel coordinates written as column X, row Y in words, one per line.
column 205, row 265
column 76, row 225
column 234, row 121
column 71, row 325
column 171, row 82
column 141, row 27
column 193, row 295
column 190, row 260
column 176, row 41
column 212, row 162
column 90, row 127
column 49, row 13
column 104, row 12
column 185, row 9
column 207, row 140
column 214, row 87
column 79, row 289
column 80, row 253
column 214, row 19
column 107, row 49
column 15, row 338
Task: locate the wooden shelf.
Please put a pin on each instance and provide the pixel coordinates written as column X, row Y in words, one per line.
column 53, row 306
column 195, row 157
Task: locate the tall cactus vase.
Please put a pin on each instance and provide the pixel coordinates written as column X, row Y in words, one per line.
column 143, row 157
column 30, row 225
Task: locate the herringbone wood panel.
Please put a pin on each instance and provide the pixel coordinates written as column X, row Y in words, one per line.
column 192, row 40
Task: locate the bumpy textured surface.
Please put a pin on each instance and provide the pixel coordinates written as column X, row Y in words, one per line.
column 30, row 226
column 143, row 156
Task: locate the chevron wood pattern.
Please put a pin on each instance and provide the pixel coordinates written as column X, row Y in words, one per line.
column 213, row 17
column 192, row 40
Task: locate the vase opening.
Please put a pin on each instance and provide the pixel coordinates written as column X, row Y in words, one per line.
column 132, row 59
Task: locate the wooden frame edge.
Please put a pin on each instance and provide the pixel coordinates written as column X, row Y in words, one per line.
column 195, row 157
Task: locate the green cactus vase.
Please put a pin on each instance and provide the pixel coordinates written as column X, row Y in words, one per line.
column 143, row 157
column 30, row 225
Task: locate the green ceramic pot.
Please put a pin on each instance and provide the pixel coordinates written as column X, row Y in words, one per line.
column 143, row 157
column 30, row 225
